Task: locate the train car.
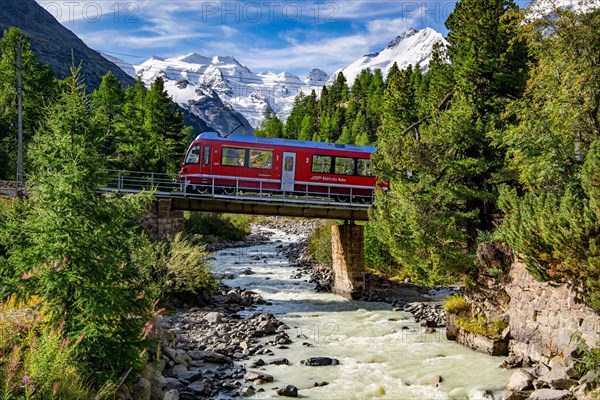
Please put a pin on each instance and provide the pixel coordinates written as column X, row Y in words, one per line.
column 240, row 163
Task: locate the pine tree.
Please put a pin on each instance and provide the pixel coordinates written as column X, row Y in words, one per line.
column 438, row 156
column 270, row 127
column 73, row 248
column 39, row 87
column 107, row 103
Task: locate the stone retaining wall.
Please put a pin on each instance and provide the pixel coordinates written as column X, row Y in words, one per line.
column 544, row 317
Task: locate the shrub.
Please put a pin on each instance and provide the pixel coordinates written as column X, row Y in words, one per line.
column 40, row 362
column 456, row 304
column 319, row 244
column 479, row 326
column 213, row 226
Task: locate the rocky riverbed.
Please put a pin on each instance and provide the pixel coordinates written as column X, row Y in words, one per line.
column 238, row 346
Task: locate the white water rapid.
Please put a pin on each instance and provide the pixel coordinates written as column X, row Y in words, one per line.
column 383, row 354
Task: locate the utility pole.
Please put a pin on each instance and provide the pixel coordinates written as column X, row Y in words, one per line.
column 20, row 113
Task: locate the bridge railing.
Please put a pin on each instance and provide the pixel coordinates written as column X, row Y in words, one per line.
column 170, row 185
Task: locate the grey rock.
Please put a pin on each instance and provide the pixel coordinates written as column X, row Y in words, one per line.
column 178, row 369
column 279, row 361
column 258, row 376
column 288, row 391
column 247, row 392
column 173, row 384
column 520, row 380
column 320, row 361
column 190, row 376
column 435, row 381
column 214, row 317
column 510, row 395
column 550, row 394
column 199, row 387
column 171, row 395
column 142, row 389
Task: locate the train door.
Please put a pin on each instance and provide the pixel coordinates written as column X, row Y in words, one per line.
column 288, row 172
column 206, row 164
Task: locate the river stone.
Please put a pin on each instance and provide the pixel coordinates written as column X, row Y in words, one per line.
column 214, row 317
column 173, row 384
column 320, row 361
column 142, row 389
column 171, row 395
column 247, row 392
column 520, row 380
column 190, row 376
column 210, row 356
column 550, row 394
column 435, row 381
column 279, row 361
column 256, row 376
column 510, row 395
column 288, row 391
column 199, row 387
column 178, row 369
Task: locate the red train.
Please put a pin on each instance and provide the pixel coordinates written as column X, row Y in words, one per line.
column 239, row 163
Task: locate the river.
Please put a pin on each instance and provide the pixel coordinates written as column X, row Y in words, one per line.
column 382, row 353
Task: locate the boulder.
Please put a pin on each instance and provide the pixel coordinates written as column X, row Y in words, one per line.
column 550, row 394
column 520, row 380
column 190, row 376
column 288, row 391
column 214, row 317
column 258, row 376
column 198, row 388
column 279, row 361
column 320, row 361
column 142, row 389
column 171, row 395
column 510, row 395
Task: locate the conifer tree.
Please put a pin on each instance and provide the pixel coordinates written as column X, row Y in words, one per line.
column 73, row 248
column 270, row 127
column 39, row 86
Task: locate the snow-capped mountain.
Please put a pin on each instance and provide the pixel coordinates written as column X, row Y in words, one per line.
column 412, row 47
column 195, row 81
column 124, row 65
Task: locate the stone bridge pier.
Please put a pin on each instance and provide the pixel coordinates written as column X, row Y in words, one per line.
column 160, row 221
column 348, row 260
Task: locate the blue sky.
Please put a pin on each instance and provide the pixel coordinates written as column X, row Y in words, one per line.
column 277, row 35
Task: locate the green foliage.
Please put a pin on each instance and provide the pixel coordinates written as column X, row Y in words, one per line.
column 457, row 305
column 377, row 255
column 184, row 270
column 339, row 115
column 40, row 362
column 478, row 326
column 72, row 248
column 589, row 360
column 215, row 227
column 39, row 87
column 149, row 132
column 270, row 127
column 319, row 244
column 434, row 147
column 553, row 149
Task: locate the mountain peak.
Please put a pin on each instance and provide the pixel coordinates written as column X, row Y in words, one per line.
column 191, row 58
column 315, row 76
column 408, row 33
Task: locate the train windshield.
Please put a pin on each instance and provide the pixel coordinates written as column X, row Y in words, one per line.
column 193, row 156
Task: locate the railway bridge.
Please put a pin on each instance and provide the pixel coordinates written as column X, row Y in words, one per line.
column 166, row 216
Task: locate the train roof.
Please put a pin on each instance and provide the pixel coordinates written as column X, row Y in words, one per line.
column 286, row 142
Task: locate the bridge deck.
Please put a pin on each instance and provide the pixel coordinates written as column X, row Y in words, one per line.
column 240, row 201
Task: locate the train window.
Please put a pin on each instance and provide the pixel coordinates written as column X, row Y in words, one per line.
column 206, row 159
column 193, row 156
column 261, row 159
column 321, row 164
column 233, row 156
column 363, row 167
column 344, row 166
